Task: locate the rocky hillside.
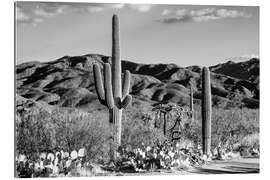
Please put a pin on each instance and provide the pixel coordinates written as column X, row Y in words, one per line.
column 68, row 82
column 248, row 70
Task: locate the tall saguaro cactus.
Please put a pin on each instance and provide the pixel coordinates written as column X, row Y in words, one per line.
column 206, row 111
column 111, row 93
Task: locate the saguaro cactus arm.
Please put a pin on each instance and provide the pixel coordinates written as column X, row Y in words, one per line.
column 127, row 100
column 122, row 104
column 108, row 86
column 126, row 84
column 99, row 84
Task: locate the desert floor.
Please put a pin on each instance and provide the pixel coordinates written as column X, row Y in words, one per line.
column 234, row 166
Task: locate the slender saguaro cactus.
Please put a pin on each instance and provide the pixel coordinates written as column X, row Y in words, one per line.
column 206, row 111
column 191, row 99
column 165, row 124
column 111, row 94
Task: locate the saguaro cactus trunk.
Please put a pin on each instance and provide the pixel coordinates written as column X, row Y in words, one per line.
column 111, row 94
column 116, row 75
column 206, row 111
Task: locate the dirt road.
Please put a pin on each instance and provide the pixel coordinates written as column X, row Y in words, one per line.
column 236, row 166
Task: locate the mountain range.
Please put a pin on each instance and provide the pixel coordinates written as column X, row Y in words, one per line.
column 68, row 82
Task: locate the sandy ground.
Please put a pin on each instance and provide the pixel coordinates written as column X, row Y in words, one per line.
column 235, row 166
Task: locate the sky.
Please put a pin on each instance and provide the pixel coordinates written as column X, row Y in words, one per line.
column 181, row 34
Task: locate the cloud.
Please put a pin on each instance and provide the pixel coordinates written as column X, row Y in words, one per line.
column 181, row 12
column 203, row 12
column 95, row 9
column 115, row 6
column 201, row 15
column 166, row 12
column 24, row 18
column 92, row 8
column 141, row 7
column 179, row 19
column 20, row 15
column 49, row 12
column 38, row 12
column 231, row 13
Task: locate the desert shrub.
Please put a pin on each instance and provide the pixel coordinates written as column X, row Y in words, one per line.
column 229, row 126
column 251, row 140
column 78, row 129
column 31, row 134
column 138, row 126
column 185, row 143
column 192, row 131
column 63, row 129
column 135, row 133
